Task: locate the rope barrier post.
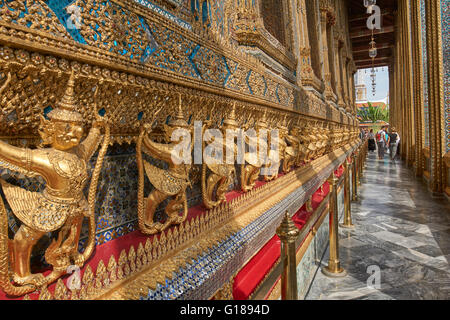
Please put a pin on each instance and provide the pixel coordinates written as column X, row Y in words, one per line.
column 334, row 268
column 348, row 212
column 288, row 233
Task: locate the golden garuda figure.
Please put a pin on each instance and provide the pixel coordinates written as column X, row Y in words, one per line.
column 222, row 174
column 322, row 143
column 327, row 133
column 285, row 153
column 309, row 142
column 60, row 207
column 251, row 166
column 290, row 152
column 293, row 138
column 166, row 183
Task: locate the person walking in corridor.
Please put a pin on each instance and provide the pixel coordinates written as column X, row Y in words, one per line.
column 394, row 139
column 371, row 143
column 381, row 143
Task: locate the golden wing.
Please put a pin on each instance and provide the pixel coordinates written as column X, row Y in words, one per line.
column 162, row 181
column 222, row 170
column 34, row 210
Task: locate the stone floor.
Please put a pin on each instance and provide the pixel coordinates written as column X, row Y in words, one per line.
column 401, row 231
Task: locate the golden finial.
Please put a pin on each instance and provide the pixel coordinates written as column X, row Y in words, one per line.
column 284, row 122
column 179, row 120
column 66, row 110
column 233, row 112
column 262, row 123
column 231, row 119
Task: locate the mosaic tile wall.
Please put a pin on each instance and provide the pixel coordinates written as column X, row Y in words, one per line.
column 425, row 74
column 445, row 21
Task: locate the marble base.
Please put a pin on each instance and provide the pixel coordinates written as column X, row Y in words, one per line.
column 340, row 274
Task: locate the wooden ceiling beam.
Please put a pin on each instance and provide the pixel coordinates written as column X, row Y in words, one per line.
column 376, row 60
column 364, row 32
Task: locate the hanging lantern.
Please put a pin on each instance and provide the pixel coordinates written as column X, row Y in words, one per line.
column 373, row 49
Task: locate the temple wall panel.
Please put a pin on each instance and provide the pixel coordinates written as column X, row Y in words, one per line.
column 445, row 14
column 145, row 65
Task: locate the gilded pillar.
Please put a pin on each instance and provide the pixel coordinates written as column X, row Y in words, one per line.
column 435, row 93
column 418, row 86
column 288, row 233
column 307, row 75
column 354, row 176
column 324, row 40
column 408, row 85
column 338, row 70
column 347, row 82
column 350, row 85
column 392, row 107
column 347, row 207
column 298, row 35
column 353, row 91
column 334, row 268
column 343, row 58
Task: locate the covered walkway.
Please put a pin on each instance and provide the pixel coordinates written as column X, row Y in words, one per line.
column 400, row 229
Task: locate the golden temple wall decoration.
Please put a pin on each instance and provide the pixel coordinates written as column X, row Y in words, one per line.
column 147, row 72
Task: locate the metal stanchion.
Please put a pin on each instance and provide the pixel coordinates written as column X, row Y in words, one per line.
column 348, row 212
column 288, row 233
column 354, row 178
column 334, row 268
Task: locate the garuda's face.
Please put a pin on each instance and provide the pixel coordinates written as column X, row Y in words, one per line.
column 66, row 135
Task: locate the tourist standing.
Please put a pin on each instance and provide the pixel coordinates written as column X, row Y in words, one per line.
column 371, row 143
column 381, row 143
column 394, row 139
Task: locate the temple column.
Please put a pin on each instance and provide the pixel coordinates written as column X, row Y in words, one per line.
column 353, row 95
column 347, row 86
column 307, row 75
column 435, row 94
column 409, row 89
column 325, row 59
column 344, row 79
column 298, row 35
column 418, row 86
column 338, row 70
column 392, row 103
column 350, row 86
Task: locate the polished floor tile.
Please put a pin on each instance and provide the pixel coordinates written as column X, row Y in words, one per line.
column 400, row 248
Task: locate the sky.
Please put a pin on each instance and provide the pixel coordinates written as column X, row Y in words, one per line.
column 382, row 81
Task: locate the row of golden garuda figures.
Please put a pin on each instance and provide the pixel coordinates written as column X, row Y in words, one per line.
column 62, row 160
